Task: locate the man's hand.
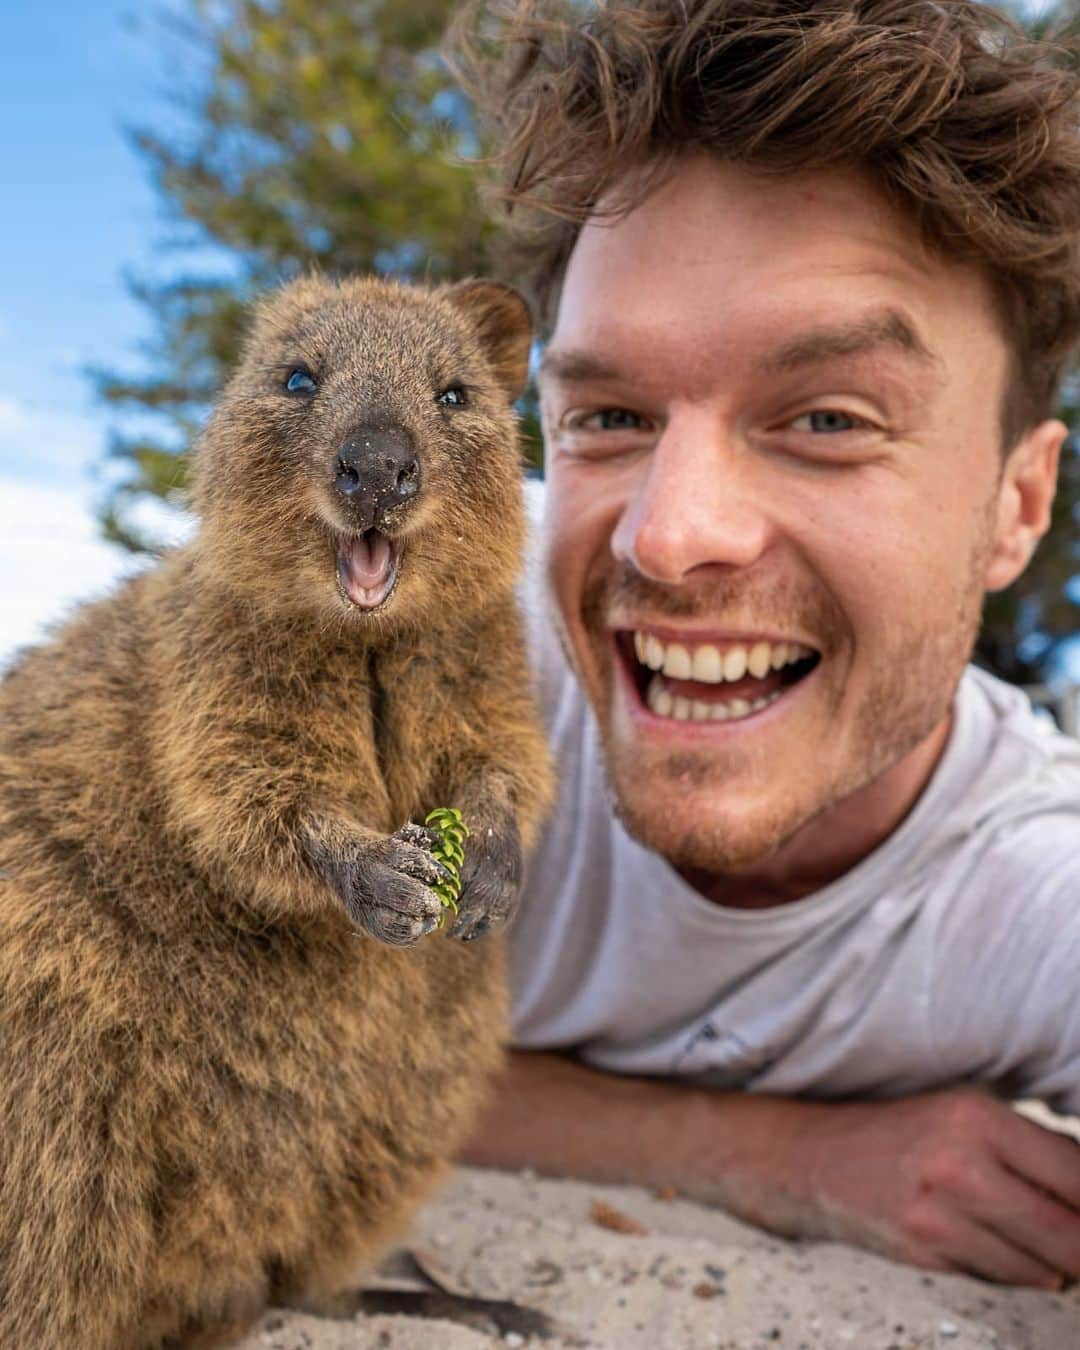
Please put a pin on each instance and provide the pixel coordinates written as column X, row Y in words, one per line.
column 951, row 1181
column 948, row 1180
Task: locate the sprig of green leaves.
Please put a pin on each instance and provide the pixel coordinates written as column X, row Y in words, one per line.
column 449, row 825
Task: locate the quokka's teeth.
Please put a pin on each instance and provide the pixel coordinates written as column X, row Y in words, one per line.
column 706, row 663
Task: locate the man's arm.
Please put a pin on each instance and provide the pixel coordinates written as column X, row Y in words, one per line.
column 949, row 1180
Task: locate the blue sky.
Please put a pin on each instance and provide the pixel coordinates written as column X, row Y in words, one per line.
column 77, row 212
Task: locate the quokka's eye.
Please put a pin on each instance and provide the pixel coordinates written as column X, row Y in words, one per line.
column 301, row 381
column 454, row 397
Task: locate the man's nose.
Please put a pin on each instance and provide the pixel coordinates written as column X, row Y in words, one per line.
column 699, row 503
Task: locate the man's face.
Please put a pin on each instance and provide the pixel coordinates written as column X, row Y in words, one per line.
column 773, row 426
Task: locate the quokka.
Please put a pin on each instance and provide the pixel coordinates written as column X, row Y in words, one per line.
column 236, row 1043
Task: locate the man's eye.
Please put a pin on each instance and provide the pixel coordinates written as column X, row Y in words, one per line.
column 825, row 420
column 301, row 381
column 454, row 397
column 611, row 419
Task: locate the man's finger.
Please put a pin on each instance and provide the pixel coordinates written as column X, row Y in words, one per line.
column 1049, row 1159
column 1028, row 1217
column 977, row 1250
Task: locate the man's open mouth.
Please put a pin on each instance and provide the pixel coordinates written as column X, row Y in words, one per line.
column 367, row 568
column 712, row 681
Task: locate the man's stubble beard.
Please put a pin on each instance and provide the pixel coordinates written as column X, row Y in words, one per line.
column 908, row 696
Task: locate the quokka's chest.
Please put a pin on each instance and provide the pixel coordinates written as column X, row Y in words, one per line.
column 345, row 1062
column 342, row 1018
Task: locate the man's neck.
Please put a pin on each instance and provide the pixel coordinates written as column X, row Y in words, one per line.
column 833, row 843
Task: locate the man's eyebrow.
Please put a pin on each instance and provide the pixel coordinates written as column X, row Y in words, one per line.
column 884, row 328
column 571, row 367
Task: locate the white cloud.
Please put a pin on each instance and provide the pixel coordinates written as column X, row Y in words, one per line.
column 163, row 526
column 51, row 558
column 36, row 441
column 11, row 415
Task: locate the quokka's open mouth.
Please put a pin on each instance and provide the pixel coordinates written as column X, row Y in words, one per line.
column 367, row 568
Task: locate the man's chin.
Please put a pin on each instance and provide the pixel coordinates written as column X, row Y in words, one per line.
column 677, row 809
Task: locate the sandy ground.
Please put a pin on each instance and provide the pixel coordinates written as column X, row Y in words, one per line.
column 689, row 1279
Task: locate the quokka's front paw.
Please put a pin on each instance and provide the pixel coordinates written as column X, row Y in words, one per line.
column 386, row 887
column 490, row 880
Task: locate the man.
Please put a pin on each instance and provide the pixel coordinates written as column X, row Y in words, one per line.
column 813, row 269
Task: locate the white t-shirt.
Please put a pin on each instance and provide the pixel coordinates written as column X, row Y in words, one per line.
column 950, row 954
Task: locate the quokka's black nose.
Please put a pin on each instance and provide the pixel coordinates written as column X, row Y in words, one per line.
column 376, row 469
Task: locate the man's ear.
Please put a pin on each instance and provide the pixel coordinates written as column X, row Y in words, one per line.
column 504, row 325
column 1025, row 496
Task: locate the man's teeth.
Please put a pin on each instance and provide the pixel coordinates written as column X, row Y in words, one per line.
column 710, row 665
column 661, row 702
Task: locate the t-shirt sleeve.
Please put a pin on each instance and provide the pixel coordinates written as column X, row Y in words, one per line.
column 1004, row 1005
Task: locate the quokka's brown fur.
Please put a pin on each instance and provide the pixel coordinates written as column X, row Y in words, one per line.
column 218, row 1088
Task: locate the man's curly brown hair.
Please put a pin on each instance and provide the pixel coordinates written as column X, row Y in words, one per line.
column 967, row 125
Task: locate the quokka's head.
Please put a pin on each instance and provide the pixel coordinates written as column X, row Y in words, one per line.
column 362, row 462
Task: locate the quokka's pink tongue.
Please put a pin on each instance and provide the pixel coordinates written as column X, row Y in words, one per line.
column 366, row 569
column 369, row 559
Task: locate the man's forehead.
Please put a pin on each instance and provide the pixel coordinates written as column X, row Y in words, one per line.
column 718, row 254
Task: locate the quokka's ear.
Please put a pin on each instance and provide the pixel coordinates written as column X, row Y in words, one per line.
column 504, row 325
